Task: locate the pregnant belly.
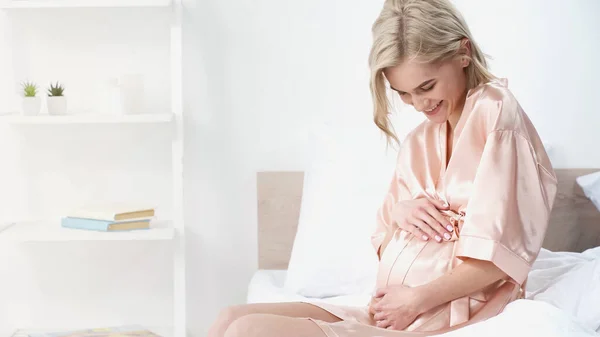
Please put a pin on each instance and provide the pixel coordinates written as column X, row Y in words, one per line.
column 410, row 261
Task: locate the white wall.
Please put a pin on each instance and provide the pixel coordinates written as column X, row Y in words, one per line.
column 265, row 74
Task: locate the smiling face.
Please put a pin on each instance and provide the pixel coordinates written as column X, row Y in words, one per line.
column 437, row 90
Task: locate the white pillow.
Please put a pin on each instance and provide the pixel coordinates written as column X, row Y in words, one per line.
column 343, row 189
column 590, row 184
column 571, row 282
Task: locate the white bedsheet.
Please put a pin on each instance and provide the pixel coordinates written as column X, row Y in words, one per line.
column 563, row 298
column 266, row 286
column 527, row 318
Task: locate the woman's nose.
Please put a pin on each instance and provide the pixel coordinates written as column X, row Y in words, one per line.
column 421, row 104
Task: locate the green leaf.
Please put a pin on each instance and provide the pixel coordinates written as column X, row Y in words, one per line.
column 29, row 89
column 55, row 90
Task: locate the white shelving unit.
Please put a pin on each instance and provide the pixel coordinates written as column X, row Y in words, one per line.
column 44, row 231
column 172, row 230
column 89, row 119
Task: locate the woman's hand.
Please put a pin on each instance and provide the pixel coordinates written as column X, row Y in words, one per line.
column 396, row 307
column 422, row 218
column 374, row 301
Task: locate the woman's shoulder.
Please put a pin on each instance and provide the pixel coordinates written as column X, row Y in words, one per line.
column 495, row 106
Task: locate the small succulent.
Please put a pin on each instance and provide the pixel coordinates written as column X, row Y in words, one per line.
column 56, row 89
column 29, row 89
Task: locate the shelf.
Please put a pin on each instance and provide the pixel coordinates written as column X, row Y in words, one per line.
column 160, row 331
column 51, row 231
column 88, row 119
column 32, row 4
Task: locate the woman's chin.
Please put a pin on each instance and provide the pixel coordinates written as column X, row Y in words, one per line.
column 438, row 118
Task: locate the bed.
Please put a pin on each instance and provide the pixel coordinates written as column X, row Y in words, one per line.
column 572, row 241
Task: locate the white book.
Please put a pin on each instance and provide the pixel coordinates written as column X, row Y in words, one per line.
column 114, row 212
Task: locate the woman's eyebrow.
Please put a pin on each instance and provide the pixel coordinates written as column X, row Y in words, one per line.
column 419, row 86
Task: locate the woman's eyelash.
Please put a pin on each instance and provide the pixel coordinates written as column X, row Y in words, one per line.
column 401, row 93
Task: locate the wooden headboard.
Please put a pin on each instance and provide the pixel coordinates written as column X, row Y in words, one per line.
column 574, row 221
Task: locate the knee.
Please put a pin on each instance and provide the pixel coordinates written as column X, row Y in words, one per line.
column 225, row 318
column 230, row 314
column 245, row 326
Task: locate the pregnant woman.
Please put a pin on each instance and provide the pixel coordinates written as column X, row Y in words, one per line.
column 468, row 204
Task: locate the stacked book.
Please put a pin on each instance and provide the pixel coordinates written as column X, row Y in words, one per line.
column 109, row 218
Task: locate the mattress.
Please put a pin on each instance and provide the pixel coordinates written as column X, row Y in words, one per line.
column 568, row 281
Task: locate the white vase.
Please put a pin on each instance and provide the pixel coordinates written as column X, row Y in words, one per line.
column 31, row 106
column 57, row 105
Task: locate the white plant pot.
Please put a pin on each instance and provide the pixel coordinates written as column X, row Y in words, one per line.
column 57, row 105
column 31, row 106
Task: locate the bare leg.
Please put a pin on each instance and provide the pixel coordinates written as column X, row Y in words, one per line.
column 267, row 325
column 231, row 314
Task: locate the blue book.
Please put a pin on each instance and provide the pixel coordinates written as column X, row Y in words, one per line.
column 104, row 225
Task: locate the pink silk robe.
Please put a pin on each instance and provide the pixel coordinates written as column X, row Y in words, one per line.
column 500, row 186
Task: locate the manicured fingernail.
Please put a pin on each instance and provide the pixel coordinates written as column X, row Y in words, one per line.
column 447, row 236
column 425, row 237
column 450, row 228
column 437, row 238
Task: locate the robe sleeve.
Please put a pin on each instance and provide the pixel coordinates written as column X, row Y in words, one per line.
column 509, row 208
column 385, row 225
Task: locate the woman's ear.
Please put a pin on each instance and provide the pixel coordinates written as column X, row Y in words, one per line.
column 465, row 52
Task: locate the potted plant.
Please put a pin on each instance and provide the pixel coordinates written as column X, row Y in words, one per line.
column 31, row 102
column 57, row 102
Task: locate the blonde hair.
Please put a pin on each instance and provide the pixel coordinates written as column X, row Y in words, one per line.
column 428, row 30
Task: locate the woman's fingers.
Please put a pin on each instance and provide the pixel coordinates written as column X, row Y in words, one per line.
column 438, row 222
column 383, row 324
column 374, row 302
column 441, row 219
column 432, row 224
column 423, row 219
column 423, row 227
column 415, row 230
column 439, row 204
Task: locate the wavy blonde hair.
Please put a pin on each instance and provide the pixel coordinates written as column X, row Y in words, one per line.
column 428, row 30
